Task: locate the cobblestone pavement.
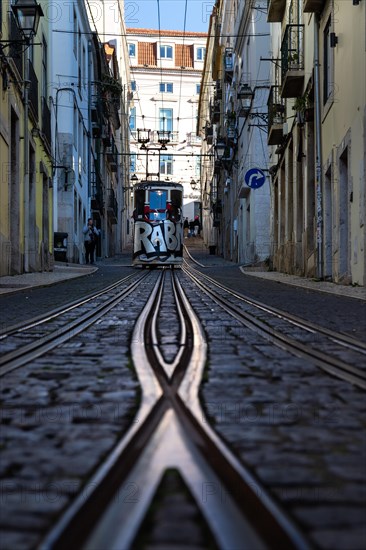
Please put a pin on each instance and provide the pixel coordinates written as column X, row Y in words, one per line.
column 337, row 307
column 61, row 415
column 299, row 430
column 47, row 291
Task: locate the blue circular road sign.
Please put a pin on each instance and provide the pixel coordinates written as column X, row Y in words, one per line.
column 255, row 178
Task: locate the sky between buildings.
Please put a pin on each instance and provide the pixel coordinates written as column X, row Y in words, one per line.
column 173, row 13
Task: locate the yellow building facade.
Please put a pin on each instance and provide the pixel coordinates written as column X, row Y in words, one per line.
column 26, row 238
column 318, row 146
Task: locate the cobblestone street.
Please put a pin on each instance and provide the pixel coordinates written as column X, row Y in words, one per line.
column 299, row 430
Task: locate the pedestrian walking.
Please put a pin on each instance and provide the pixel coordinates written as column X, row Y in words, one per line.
column 196, row 226
column 90, row 240
column 185, row 227
column 191, row 228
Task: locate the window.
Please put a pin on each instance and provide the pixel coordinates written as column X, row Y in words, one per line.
column 133, row 118
column 166, row 52
column 327, row 63
column 132, row 50
column 166, row 165
column 166, row 87
column 200, row 54
column 198, row 167
column 133, row 85
column 198, row 88
column 166, row 120
column 158, row 201
column 133, row 162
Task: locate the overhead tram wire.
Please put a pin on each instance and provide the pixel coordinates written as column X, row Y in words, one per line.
column 120, row 35
column 161, row 64
column 181, row 69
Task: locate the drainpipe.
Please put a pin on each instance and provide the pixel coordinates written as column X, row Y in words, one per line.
column 26, row 164
column 90, row 75
column 319, row 159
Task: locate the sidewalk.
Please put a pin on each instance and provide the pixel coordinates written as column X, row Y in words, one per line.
column 62, row 272
column 200, row 253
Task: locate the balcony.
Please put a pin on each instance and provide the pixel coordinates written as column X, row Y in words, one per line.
column 292, row 61
column 209, row 134
column 229, row 58
column 16, row 49
column 112, row 156
column 215, row 112
column 33, row 92
column 275, row 10
column 173, row 137
column 218, row 90
column 97, row 118
column 313, row 6
column 96, row 191
column 276, row 116
column 112, row 206
column 193, row 139
column 46, row 124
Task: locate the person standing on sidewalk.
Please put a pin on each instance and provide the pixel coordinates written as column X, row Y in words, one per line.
column 91, row 236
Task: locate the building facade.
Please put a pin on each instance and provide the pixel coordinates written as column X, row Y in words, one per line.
column 239, row 210
column 293, row 73
column 166, row 71
column 318, row 156
column 107, row 18
column 26, row 236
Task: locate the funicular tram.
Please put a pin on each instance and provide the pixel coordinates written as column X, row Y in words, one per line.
column 158, row 224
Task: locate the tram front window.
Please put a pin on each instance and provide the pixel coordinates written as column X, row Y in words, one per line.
column 158, row 205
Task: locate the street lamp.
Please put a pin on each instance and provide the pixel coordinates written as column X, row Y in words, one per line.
column 193, row 184
column 27, row 14
column 245, row 96
column 143, row 137
column 163, row 138
column 220, row 149
column 134, row 178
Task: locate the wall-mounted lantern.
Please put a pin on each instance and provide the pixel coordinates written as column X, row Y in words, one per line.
column 220, row 149
column 245, row 96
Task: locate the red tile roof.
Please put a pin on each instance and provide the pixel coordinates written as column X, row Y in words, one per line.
column 155, row 32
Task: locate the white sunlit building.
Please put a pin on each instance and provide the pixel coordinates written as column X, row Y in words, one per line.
column 166, row 70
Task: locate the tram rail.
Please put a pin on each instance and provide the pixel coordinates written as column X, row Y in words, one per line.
column 289, row 331
column 170, row 431
column 60, row 327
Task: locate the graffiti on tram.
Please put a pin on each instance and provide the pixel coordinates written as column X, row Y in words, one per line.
column 162, row 241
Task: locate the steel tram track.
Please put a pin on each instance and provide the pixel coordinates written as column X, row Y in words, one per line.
column 329, row 363
column 53, row 314
column 171, row 431
column 39, row 345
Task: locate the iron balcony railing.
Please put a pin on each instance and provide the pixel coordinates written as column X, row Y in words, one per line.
column 276, row 107
column 96, row 188
column 46, row 123
column 33, row 91
column 16, row 49
column 292, row 50
column 112, row 155
column 112, row 205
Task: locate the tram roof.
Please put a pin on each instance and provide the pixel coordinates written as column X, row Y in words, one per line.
column 158, row 185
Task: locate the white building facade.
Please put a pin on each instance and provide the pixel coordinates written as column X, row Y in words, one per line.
column 71, row 72
column 238, row 212
column 166, row 71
